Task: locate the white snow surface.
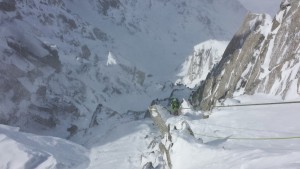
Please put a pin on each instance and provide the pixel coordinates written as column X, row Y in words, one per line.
column 127, row 144
column 122, row 146
column 244, row 123
column 23, row 150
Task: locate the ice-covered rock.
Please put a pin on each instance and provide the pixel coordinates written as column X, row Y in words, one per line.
column 197, row 66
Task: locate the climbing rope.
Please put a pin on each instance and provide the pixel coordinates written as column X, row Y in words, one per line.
column 241, row 105
column 260, row 104
column 247, row 129
column 249, row 138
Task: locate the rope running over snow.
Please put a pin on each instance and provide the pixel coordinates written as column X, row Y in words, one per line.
column 260, row 104
column 249, row 138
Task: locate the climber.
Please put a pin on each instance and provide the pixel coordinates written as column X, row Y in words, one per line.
column 175, row 106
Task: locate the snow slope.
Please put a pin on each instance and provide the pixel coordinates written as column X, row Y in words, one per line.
column 196, row 67
column 24, row 150
column 214, row 145
column 123, row 146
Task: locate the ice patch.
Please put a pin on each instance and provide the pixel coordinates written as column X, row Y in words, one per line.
column 111, row 59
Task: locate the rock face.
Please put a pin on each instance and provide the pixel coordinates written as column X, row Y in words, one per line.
column 49, row 80
column 262, row 57
column 197, row 66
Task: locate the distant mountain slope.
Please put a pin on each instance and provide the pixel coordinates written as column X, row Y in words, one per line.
column 54, row 55
column 159, row 33
column 262, row 57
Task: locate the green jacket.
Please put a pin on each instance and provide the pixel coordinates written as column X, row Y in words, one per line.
column 175, row 105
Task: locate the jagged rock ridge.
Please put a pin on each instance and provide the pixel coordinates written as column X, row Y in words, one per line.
column 262, row 57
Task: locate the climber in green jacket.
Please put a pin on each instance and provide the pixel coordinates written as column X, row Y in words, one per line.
column 175, row 105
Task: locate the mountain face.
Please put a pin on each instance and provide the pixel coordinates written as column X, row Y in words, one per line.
column 262, row 57
column 67, row 65
column 197, row 66
column 159, row 33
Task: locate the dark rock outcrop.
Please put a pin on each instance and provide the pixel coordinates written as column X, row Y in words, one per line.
column 106, row 4
column 8, row 5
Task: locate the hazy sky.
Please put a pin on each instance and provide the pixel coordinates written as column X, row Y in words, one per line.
column 262, row 6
